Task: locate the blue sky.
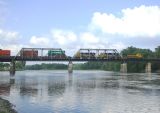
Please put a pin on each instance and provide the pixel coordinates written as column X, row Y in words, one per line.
column 72, row 24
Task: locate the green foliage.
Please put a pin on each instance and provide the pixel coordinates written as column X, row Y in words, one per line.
column 46, row 66
column 4, row 66
column 147, row 53
column 109, row 66
column 20, row 65
column 6, row 106
column 157, row 52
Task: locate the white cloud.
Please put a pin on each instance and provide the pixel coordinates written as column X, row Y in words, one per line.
column 9, row 36
column 88, row 37
column 141, row 21
column 39, row 41
column 63, row 37
column 118, row 45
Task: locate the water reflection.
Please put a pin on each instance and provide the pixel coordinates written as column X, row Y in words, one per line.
column 28, row 86
column 56, row 86
column 82, row 92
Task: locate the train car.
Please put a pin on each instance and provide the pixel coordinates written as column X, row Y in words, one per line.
column 56, row 53
column 88, row 55
column 138, row 55
column 29, row 53
column 5, row 52
column 84, row 55
column 109, row 56
column 103, row 56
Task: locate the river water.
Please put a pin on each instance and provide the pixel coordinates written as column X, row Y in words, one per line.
column 81, row 92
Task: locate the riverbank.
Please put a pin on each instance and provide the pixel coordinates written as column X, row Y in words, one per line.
column 6, row 106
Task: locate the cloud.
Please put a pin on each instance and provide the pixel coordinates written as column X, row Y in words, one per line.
column 15, row 48
column 62, row 37
column 143, row 21
column 118, row 45
column 39, row 41
column 89, row 38
column 9, row 36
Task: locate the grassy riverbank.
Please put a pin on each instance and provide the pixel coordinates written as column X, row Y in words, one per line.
column 6, row 106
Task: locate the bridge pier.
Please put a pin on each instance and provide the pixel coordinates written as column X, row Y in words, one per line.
column 70, row 67
column 148, row 68
column 12, row 68
column 123, row 68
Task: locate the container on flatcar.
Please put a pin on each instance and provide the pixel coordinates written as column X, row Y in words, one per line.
column 56, row 53
column 5, row 52
column 29, row 53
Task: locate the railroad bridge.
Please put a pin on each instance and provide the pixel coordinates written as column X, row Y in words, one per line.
column 82, row 55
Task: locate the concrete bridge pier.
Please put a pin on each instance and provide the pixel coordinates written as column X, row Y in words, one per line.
column 70, row 67
column 148, row 68
column 123, row 68
column 12, row 68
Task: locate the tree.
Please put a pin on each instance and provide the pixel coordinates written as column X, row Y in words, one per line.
column 157, row 52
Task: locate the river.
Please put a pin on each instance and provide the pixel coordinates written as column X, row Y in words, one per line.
column 81, row 92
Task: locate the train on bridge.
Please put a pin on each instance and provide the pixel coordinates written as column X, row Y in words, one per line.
column 58, row 53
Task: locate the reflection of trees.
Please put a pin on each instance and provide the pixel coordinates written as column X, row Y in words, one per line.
column 5, row 85
column 28, row 87
column 56, row 87
column 4, row 89
column 12, row 81
column 70, row 79
column 28, row 90
column 89, row 84
column 85, row 85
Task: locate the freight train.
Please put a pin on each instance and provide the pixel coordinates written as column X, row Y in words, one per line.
column 59, row 53
column 34, row 53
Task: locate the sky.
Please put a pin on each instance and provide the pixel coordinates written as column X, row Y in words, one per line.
column 71, row 24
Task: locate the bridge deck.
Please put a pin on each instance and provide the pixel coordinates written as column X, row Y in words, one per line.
column 19, row 58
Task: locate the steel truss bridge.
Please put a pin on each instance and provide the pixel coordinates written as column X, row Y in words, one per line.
column 100, row 55
column 42, row 55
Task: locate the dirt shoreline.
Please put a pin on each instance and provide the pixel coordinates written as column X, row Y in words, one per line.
column 6, row 106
